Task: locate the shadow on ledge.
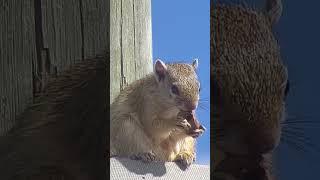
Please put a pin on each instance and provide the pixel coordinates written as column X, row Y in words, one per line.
column 122, row 168
column 141, row 168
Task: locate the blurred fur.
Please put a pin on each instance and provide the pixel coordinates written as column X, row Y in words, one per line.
column 63, row 133
column 249, row 81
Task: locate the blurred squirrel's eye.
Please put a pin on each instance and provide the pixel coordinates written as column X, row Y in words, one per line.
column 286, row 91
column 175, row 90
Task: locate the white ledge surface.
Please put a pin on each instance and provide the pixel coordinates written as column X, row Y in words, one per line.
column 121, row 168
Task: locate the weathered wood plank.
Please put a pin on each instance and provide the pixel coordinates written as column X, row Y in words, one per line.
column 29, row 56
column 106, row 28
column 143, row 38
column 115, row 48
column 64, row 28
column 130, row 42
column 104, row 25
column 17, row 51
column 90, row 18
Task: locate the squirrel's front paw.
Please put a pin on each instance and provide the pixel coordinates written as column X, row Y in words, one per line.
column 184, row 124
column 145, row 157
column 186, row 159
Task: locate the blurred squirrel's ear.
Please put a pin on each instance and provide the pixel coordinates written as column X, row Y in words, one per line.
column 274, row 10
column 159, row 70
column 195, row 63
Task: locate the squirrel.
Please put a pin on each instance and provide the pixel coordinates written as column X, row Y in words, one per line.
column 153, row 118
column 250, row 85
column 63, row 133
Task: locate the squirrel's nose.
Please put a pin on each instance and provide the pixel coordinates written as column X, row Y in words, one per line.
column 202, row 127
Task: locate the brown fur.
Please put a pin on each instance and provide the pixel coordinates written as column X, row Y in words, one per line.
column 249, row 82
column 63, row 133
column 144, row 116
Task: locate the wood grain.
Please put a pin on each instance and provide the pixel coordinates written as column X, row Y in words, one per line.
column 130, row 42
column 42, row 38
column 17, row 54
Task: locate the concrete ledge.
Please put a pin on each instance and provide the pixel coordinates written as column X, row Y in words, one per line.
column 129, row 169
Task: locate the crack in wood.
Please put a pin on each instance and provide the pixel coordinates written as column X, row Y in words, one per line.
column 82, row 29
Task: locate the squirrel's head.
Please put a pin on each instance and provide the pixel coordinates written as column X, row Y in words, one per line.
column 250, row 80
column 179, row 84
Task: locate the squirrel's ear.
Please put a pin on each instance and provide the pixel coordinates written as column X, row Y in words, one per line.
column 160, row 70
column 195, row 63
column 274, row 10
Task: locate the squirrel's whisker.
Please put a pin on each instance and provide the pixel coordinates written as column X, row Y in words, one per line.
column 293, row 144
column 299, row 117
column 294, row 128
column 203, row 107
column 299, row 122
column 297, row 147
column 303, row 140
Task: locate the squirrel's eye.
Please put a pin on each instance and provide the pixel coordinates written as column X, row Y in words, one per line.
column 199, row 89
column 286, row 91
column 175, row 90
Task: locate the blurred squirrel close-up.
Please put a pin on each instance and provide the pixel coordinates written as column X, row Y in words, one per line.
column 250, row 84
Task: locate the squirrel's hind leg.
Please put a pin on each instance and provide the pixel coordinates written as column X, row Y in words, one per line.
column 132, row 142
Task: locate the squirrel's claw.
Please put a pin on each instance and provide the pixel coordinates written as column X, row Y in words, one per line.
column 184, row 124
column 145, row 157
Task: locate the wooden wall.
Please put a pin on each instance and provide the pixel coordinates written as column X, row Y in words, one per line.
column 43, row 37
column 130, row 42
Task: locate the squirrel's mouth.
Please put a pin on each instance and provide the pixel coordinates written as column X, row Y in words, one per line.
column 195, row 133
column 180, row 126
column 190, row 124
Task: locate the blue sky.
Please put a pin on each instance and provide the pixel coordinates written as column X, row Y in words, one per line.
column 181, row 32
